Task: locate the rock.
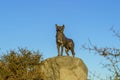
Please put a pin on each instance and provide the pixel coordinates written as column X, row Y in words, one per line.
column 63, row 68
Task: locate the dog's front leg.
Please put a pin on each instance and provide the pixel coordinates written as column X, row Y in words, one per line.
column 61, row 50
column 58, row 48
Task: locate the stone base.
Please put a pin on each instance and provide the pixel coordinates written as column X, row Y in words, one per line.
column 63, row 68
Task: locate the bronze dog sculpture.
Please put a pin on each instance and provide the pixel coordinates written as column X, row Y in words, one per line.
column 62, row 41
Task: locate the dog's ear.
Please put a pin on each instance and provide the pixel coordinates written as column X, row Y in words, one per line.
column 56, row 26
column 63, row 27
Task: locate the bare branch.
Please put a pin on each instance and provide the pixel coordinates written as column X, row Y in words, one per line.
column 116, row 33
column 112, row 55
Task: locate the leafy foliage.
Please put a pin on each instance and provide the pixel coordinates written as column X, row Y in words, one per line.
column 20, row 65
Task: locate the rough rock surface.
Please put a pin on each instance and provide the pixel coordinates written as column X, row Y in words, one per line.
column 64, row 68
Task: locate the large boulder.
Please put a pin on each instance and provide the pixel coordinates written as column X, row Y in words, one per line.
column 63, row 68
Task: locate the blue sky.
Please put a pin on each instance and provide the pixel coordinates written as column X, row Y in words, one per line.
column 31, row 24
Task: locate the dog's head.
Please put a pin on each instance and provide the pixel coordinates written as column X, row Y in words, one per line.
column 59, row 28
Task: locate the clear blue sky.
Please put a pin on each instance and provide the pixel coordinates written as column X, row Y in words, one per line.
column 31, row 24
